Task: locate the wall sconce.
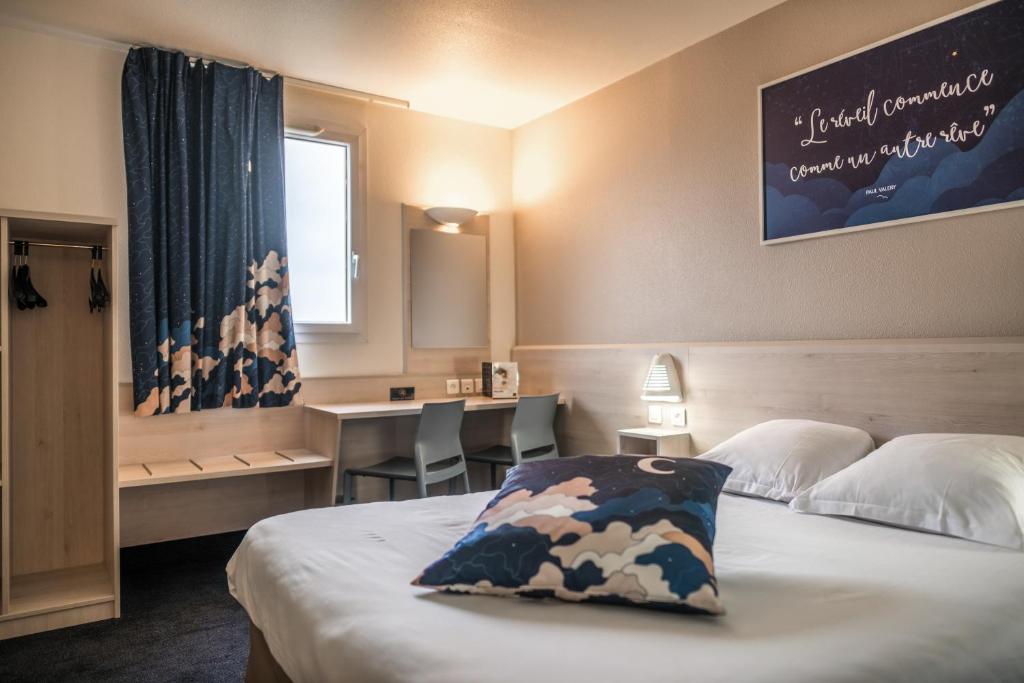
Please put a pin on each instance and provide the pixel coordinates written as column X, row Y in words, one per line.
column 662, row 385
column 450, row 217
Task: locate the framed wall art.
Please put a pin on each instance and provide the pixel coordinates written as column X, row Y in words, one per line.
column 927, row 124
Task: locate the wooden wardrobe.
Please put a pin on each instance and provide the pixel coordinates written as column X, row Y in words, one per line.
column 58, row 430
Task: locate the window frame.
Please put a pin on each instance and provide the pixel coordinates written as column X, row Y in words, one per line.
column 312, row 332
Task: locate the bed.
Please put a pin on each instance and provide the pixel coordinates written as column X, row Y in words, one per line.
column 809, row 598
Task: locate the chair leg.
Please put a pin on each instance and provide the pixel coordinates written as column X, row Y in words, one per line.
column 465, row 480
column 391, row 489
column 494, row 476
column 451, row 486
column 421, row 488
column 348, row 488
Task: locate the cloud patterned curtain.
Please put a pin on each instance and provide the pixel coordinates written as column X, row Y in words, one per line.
column 211, row 322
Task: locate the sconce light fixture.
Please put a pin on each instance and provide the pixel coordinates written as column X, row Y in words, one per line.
column 662, row 383
column 450, row 217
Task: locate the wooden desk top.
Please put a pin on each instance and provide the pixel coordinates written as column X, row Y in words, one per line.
column 352, row 411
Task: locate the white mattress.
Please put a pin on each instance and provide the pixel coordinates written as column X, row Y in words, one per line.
column 808, row 598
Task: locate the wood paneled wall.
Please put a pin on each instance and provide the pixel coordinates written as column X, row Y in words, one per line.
column 158, row 513
column 224, row 431
column 887, row 387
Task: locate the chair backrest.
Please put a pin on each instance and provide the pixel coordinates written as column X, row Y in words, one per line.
column 533, row 428
column 437, row 440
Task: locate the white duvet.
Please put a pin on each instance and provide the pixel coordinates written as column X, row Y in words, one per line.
column 809, row 599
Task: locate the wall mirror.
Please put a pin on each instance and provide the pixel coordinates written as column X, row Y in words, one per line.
column 448, row 285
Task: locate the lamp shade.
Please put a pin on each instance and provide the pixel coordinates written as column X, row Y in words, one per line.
column 662, row 383
column 451, row 215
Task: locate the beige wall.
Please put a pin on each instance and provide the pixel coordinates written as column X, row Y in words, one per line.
column 60, row 141
column 637, row 211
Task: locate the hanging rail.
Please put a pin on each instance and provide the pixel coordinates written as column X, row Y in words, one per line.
column 58, row 245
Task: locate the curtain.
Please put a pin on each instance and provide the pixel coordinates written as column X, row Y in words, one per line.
column 210, row 314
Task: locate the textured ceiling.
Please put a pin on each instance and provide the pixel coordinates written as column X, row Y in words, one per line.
column 499, row 62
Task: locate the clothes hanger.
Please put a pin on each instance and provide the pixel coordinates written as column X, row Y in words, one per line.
column 99, row 276
column 99, row 295
column 33, row 298
column 23, row 292
column 93, row 303
column 16, row 291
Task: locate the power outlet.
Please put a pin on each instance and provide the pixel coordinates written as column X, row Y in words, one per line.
column 451, row 386
column 467, row 386
column 678, row 416
column 402, row 393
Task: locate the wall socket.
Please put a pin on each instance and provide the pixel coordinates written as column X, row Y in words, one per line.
column 467, row 386
column 677, row 414
column 451, row 386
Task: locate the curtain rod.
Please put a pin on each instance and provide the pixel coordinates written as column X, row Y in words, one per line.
column 291, row 80
column 121, row 45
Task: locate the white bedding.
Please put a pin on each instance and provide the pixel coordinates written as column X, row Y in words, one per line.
column 809, row 599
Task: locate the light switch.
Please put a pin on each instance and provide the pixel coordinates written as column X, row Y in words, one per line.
column 478, row 385
column 451, row 386
column 467, row 386
column 654, row 415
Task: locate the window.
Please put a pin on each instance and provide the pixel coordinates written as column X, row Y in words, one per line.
column 323, row 262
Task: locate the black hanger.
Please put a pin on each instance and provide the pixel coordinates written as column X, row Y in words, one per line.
column 99, row 295
column 33, row 299
column 22, row 291
column 16, row 293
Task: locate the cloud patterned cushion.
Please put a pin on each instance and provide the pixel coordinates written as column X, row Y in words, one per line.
column 614, row 529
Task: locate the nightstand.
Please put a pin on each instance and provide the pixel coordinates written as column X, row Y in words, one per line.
column 667, row 442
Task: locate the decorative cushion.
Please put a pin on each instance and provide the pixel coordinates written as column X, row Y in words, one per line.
column 615, row 529
column 966, row 485
column 780, row 459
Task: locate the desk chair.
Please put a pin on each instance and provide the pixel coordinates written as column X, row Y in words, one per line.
column 437, row 455
column 532, row 436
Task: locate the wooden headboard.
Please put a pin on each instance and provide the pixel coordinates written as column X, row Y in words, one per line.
column 887, row 387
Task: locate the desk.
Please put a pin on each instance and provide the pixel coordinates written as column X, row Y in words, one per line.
column 325, row 421
column 355, row 411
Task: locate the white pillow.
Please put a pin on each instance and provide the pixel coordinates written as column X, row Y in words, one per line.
column 966, row 485
column 781, row 458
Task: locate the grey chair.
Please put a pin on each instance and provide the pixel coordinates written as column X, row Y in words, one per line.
column 532, row 436
column 437, row 455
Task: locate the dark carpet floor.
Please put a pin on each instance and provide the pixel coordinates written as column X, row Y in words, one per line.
column 178, row 623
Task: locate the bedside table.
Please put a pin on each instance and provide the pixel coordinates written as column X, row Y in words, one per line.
column 666, row 442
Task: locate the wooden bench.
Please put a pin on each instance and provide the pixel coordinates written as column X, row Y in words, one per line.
column 218, row 467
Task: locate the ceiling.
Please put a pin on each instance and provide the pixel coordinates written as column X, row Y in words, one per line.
column 498, row 62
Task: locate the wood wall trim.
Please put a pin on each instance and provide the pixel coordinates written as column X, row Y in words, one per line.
column 887, row 387
column 795, row 346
